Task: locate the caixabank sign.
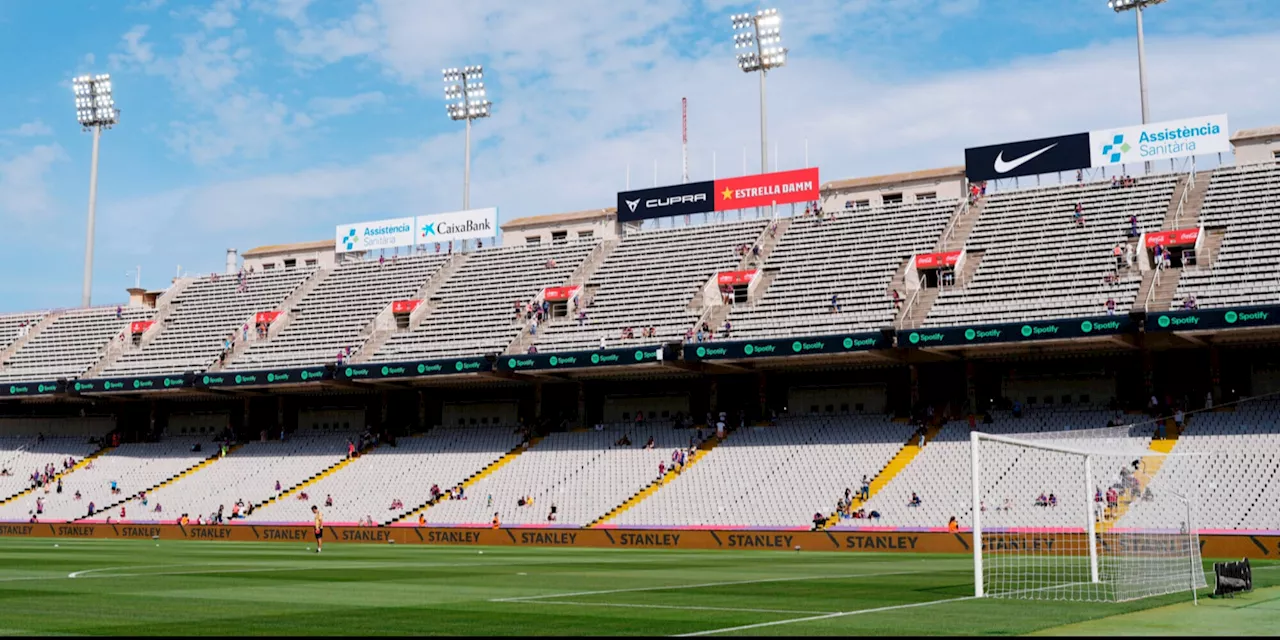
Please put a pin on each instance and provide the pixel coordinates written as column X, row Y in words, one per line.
column 585, row 359
column 1014, row 332
column 747, row 349
column 1207, row 319
column 384, row 370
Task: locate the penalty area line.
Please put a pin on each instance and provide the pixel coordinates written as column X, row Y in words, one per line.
column 827, row 616
column 675, row 606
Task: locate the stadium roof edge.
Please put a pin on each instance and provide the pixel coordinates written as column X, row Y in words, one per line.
column 295, row 246
column 896, row 178
column 558, row 218
column 1253, row 134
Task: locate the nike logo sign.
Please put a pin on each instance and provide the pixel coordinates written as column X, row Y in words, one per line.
column 1005, row 167
column 632, row 205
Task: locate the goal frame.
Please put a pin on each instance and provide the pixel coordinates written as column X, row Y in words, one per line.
column 1090, row 527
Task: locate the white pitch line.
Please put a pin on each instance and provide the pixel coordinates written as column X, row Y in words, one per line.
column 699, row 586
column 676, row 606
column 821, row 617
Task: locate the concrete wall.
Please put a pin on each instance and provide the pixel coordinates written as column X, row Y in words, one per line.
column 912, row 191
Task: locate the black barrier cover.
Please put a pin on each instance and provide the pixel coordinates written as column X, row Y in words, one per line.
column 1015, row 332
column 14, row 389
column 1224, row 318
column 261, row 378
column 136, row 383
column 660, row 202
column 1028, row 157
column 580, row 359
column 720, row 350
column 378, row 370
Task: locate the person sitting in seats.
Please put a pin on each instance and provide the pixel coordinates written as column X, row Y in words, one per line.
column 1053, row 500
column 915, row 500
column 624, row 441
column 952, row 525
column 818, row 521
column 551, row 515
column 1042, row 501
column 874, row 515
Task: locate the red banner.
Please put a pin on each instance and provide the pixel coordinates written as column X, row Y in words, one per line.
column 265, row 317
column 734, row 277
column 1173, row 238
column 555, row 294
column 404, row 306
column 140, row 326
column 762, row 190
column 935, row 260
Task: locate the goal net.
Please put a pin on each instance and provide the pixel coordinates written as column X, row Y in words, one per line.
column 1089, row 515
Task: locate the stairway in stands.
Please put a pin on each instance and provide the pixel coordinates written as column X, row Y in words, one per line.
column 905, row 455
column 173, row 478
column 476, row 477
column 1150, row 466
column 704, row 449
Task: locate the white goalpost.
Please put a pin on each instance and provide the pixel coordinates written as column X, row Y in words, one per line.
column 1088, row 515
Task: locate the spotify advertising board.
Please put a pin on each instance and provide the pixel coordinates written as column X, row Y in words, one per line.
column 741, row 349
column 1014, row 332
column 1224, row 318
column 585, row 359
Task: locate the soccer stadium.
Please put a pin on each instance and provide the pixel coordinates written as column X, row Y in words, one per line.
column 1034, row 390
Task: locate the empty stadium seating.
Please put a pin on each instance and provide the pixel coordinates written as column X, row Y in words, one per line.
column 583, row 474
column 853, row 255
column 207, row 312
column 405, row 472
column 775, row 476
column 133, row 467
column 472, row 312
column 72, row 343
column 1038, row 264
column 1246, row 201
column 331, row 316
column 649, row 281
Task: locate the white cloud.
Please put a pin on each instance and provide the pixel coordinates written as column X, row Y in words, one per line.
column 329, row 107
column 24, row 189
column 221, row 16
column 30, row 129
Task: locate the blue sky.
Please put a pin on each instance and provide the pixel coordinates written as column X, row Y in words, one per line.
column 250, row 122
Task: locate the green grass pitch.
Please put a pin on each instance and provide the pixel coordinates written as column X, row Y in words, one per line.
column 114, row 587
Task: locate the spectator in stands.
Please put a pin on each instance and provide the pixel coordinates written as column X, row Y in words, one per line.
column 1190, row 302
column 1115, row 182
column 1208, row 400
column 551, row 515
column 1118, row 254
column 1042, row 500
column 864, row 492
column 602, row 341
column 328, row 500
column 952, row 525
column 119, row 312
column 582, row 317
column 1078, row 217
column 835, row 303
column 351, row 447
column 818, row 521
column 1079, row 179
column 915, row 500
column 897, row 300
column 1053, row 500
column 1133, row 226
column 875, row 515
column 1111, row 306
column 1178, row 417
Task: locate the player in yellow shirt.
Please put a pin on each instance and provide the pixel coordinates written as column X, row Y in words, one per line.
column 319, row 526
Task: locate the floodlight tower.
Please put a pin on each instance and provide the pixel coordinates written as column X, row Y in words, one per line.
column 95, row 109
column 464, row 90
column 1137, row 6
column 761, row 35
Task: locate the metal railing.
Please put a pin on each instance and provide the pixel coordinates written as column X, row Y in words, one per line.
column 911, row 301
column 1151, row 291
column 962, row 211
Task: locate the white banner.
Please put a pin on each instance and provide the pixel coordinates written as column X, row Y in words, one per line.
column 458, row 225
column 1160, row 140
column 371, row 236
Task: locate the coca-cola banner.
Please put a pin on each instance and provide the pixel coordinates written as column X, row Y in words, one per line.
column 555, row 294
column 265, row 317
column 935, row 260
column 1173, row 238
column 404, row 306
column 766, row 189
column 140, row 326
column 726, row 278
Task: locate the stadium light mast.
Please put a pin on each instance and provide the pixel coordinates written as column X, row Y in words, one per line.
column 1137, row 6
column 95, row 109
column 464, row 91
column 761, row 36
